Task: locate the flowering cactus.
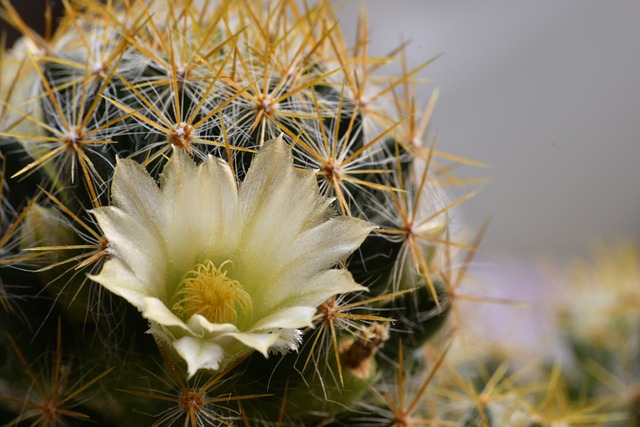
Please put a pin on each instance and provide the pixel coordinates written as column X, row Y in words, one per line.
column 213, row 214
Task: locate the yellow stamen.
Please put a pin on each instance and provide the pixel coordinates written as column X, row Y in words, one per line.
column 206, row 290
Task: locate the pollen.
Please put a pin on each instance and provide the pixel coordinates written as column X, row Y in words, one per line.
column 208, row 291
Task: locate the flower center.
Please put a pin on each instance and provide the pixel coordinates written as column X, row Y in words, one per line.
column 206, row 290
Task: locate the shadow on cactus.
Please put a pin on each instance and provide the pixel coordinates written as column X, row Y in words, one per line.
column 231, row 214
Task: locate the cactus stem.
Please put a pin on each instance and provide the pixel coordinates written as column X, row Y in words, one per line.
column 195, row 403
column 55, row 398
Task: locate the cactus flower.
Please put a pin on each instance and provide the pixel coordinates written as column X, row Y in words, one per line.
column 218, row 269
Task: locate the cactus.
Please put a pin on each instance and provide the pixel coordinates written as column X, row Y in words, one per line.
column 217, row 213
column 598, row 320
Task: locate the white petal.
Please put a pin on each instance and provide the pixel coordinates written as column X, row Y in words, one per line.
column 260, row 342
column 275, row 204
column 199, row 353
column 137, row 194
column 136, row 246
column 201, row 210
column 201, row 326
column 219, row 204
column 119, row 279
column 156, row 311
column 289, row 318
column 289, row 340
column 327, row 244
column 321, row 287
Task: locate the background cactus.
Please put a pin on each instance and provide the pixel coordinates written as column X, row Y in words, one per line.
column 598, row 316
column 141, row 80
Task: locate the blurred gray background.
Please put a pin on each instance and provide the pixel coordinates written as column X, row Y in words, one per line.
column 547, row 93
